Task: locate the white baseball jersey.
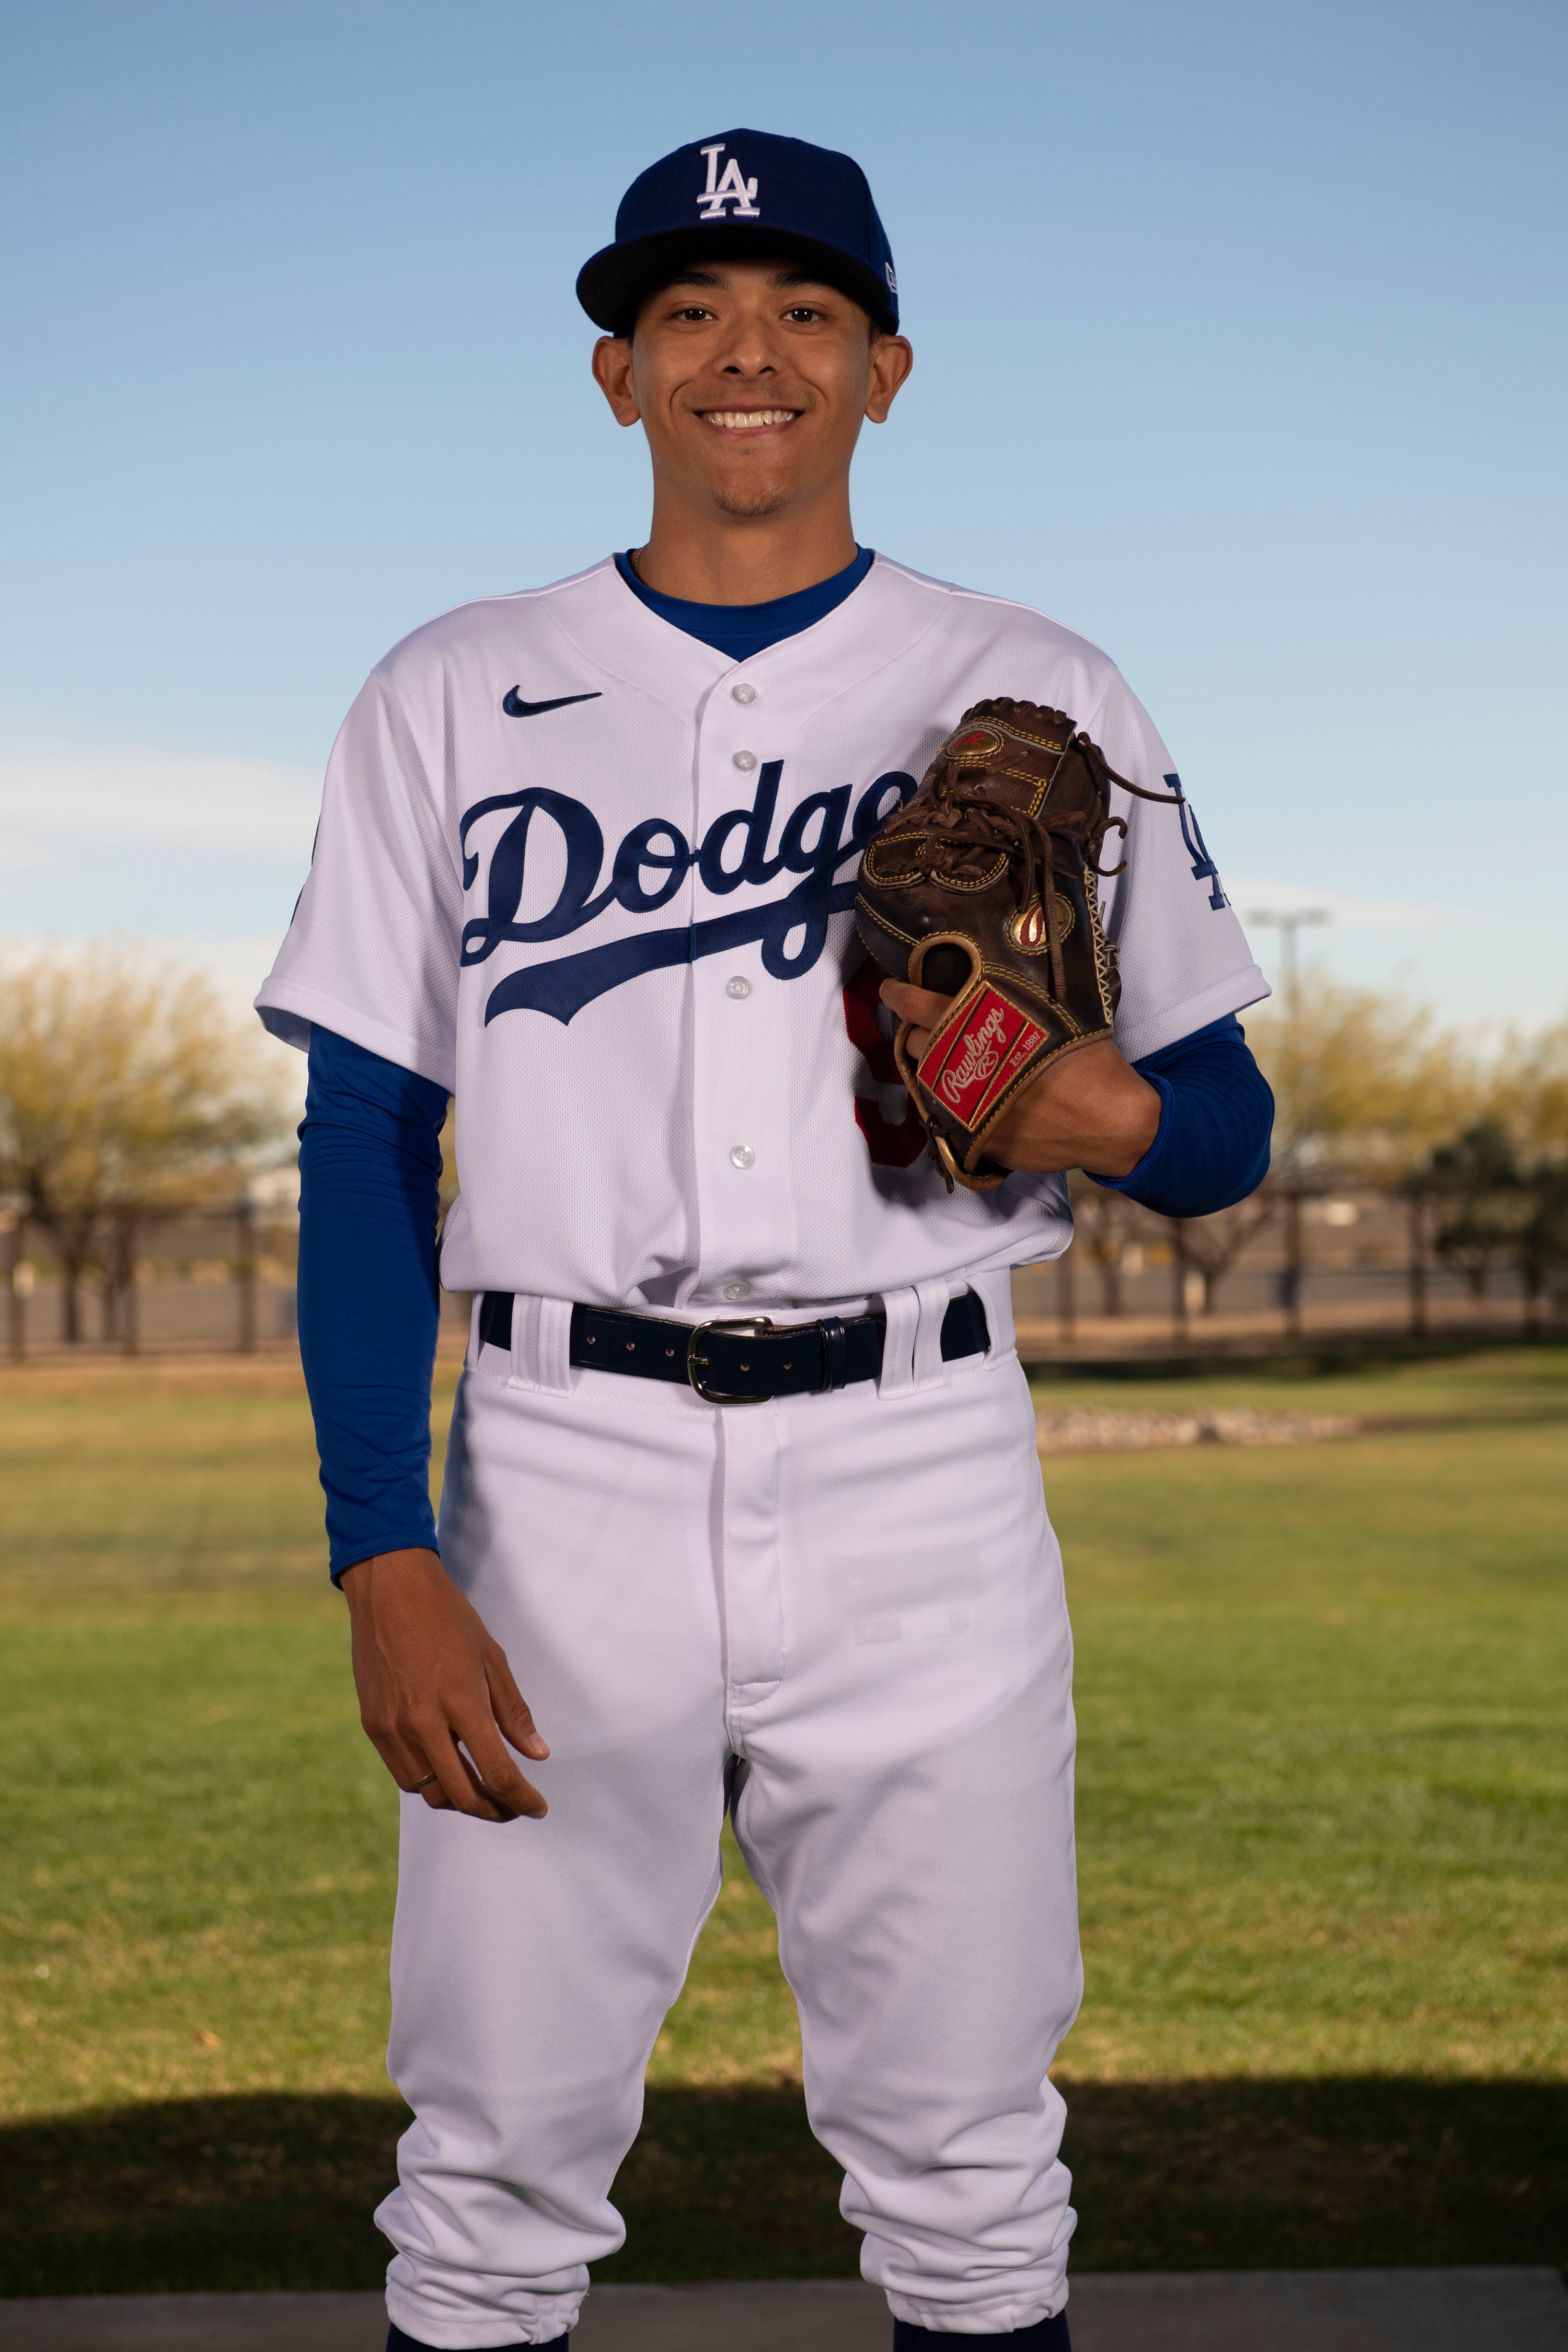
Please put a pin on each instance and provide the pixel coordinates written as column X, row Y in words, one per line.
column 594, row 877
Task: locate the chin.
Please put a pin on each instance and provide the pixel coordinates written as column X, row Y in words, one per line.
column 752, row 499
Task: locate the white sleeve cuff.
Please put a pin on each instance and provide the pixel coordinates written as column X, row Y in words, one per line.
column 289, row 1013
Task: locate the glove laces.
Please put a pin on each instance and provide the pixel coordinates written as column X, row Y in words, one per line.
column 970, row 827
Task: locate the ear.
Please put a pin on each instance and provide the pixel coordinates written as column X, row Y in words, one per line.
column 891, row 359
column 612, row 365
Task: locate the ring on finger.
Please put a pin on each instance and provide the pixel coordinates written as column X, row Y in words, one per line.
column 422, row 1784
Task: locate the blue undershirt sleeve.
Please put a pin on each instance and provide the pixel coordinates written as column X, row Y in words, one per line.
column 370, row 1173
column 1215, row 1120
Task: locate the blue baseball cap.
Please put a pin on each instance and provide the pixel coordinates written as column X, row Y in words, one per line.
column 743, row 192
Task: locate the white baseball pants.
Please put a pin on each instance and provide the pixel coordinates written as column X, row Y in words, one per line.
column 858, row 1597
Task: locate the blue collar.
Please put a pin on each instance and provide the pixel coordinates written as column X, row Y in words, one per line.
column 741, row 630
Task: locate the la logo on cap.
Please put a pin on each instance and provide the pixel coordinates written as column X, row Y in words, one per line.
column 732, row 188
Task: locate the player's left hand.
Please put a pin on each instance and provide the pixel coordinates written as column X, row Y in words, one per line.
column 1089, row 1109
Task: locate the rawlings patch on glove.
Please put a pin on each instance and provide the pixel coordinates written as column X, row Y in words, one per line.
column 982, row 888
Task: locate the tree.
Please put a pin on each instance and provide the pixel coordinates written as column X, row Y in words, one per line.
column 1527, row 1098
column 1102, row 1222
column 1213, row 1244
column 1362, row 1084
column 1528, row 1095
column 1478, row 1177
column 125, row 1092
column 1542, row 1240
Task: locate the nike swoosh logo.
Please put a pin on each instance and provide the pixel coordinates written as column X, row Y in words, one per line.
column 515, row 706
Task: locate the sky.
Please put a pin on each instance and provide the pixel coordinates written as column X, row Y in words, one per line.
column 1238, row 336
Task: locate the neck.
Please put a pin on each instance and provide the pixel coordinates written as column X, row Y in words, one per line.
column 718, row 558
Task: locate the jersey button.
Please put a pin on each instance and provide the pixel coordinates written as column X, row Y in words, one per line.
column 738, row 987
column 745, row 761
column 742, row 694
column 740, row 1155
column 736, row 1290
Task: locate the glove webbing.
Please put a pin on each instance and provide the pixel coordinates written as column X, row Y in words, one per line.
column 975, row 826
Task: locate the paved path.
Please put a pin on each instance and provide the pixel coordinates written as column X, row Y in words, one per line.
column 1249, row 2311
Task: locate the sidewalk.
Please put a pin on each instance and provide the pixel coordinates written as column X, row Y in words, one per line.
column 1249, row 2311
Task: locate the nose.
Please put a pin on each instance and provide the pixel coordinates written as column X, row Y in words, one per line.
column 753, row 352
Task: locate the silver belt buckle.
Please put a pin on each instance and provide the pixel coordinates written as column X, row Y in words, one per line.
column 752, row 1326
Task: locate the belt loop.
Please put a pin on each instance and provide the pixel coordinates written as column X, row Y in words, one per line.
column 928, row 1369
column 835, row 1351
column 475, row 1308
column 902, row 1311
column 523, row 1350
column 541, row 1342
column 996, row 1290
column 554, row 1373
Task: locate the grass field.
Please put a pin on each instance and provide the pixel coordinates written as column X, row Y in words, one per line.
column 1322, row 1802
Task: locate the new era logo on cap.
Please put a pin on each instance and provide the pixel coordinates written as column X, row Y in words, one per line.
column 743, row 192
column 731, row 189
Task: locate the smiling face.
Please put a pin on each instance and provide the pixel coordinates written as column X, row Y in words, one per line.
column 752, row 379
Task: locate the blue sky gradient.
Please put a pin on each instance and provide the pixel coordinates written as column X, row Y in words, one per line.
column 1238, row 336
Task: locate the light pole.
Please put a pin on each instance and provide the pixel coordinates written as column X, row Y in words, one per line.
column 1288, row 924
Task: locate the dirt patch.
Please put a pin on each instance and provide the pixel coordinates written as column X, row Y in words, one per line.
column 1108, row 1429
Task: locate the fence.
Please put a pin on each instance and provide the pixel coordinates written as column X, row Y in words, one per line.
column 1298, row 1263
column 1303, row 1264
column 222, row 1278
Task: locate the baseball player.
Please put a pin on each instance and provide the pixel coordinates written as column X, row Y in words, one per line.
column 742, row 1507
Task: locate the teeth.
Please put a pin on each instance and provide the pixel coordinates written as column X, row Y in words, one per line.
column 746, row 420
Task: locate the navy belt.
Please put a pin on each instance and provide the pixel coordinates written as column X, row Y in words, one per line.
column 742, row 1359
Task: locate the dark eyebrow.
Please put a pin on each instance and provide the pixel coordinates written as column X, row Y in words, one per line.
column 781, row 279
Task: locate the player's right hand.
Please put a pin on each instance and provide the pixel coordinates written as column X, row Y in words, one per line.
column 430, row 1676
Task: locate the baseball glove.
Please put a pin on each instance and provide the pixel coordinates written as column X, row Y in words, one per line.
column 982, row 888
